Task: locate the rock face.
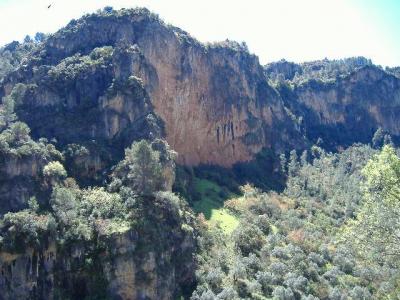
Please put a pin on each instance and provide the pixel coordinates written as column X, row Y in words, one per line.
column 78, row 101
column 21, row 169
column 113, row 77
column 349, row 109
column 122, row 272
column 214, row 101
column 141, row 262
column 20, row 178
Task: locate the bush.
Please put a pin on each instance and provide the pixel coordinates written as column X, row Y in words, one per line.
column 54, row 169
column 25, row 229
column 248, row 239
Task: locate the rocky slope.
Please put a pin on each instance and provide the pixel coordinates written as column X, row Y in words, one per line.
column 22, row 161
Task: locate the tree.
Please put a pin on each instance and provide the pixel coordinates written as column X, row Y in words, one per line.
column 20, row 132
column 54, row 171
column 66, row 207
column 141, row 169
column 377, row 139
column 387, row 140
column 7, row 114
column 108, row 9
column 248, row 239
column 304, row 158
column 28, row 39
column 64, row 204
column 283, row 162
column 24, row 229
column 375, row 234
column 39, row 37
column 293, row 166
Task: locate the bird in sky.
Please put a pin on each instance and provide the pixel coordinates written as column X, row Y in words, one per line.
column 49, row 6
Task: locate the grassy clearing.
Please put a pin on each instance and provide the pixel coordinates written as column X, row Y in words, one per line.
column 211, row 204
column 224, row 219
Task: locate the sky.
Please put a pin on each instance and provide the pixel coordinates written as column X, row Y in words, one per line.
column 296, row 30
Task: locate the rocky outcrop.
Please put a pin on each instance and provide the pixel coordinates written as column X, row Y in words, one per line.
column 214, row 101
column 79, row 101
column 349, row 109
column 117, row 76
column 21, row 171
column 19, row 180
column 150, row 258
column 123, row 271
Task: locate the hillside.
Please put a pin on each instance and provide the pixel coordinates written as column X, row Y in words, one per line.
column 139, row 163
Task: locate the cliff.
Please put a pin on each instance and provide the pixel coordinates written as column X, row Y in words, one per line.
column 342, row 104
column 22, row 161
column 127, row 263
column 115, row 77
column 214, row 101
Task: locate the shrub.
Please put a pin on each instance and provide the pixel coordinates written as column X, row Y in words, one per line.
column 25, row 229
column 248, row 239
column 55, row 170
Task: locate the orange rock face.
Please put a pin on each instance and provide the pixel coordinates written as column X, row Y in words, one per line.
column 214, row 101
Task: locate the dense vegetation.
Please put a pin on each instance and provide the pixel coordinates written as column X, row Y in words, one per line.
column 134, row 201
column 14, row 54
column 77, row 212
column 332, row 234
column 103, row 196
column 321, row 70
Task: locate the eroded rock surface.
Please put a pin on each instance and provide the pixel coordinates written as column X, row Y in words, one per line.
column 214, row 100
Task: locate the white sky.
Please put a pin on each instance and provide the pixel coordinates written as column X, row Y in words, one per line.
column 273, row 29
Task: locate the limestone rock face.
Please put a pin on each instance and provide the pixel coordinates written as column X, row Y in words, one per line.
column 214, row 100
column 114, row 77
column 121, row 270
column 349, row 109
column 21, row 177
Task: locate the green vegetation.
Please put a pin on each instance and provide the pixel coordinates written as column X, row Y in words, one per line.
column 141, row 169
column 82, row 214
column 15, row 53
column 15, row 139
column 210, row 204
column 319, row 239
column 95, row 201
column 71, row 68
column 133, row 206
column 224, row 219
column 374, row 234
column 394, row 71
column 54, row 169
column 325, row 70
column 209, row 194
